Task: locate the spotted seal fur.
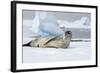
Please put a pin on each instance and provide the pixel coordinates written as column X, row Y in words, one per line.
column 52, row 42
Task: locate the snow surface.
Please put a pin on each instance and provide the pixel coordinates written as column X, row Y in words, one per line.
column 77, row 51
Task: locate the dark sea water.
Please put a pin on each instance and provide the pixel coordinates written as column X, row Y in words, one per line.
column 80, row 33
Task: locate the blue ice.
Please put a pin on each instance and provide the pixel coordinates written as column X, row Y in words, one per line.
column 46, row 25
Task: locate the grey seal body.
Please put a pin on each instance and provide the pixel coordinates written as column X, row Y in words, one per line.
column 52, row 42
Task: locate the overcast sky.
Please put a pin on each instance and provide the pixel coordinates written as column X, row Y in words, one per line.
column 69, row 16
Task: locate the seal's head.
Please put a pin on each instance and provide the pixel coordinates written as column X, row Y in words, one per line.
column 67, row 38
column 67, row 34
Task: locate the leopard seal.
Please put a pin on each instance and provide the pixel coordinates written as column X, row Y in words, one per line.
column 52, row 42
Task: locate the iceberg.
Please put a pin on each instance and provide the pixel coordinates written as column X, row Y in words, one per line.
column 45, row 25
column 84, row 22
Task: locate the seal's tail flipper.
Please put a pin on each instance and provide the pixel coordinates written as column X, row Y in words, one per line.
column 27, row 44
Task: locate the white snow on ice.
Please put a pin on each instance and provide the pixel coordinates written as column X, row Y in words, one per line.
column 77, row 51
